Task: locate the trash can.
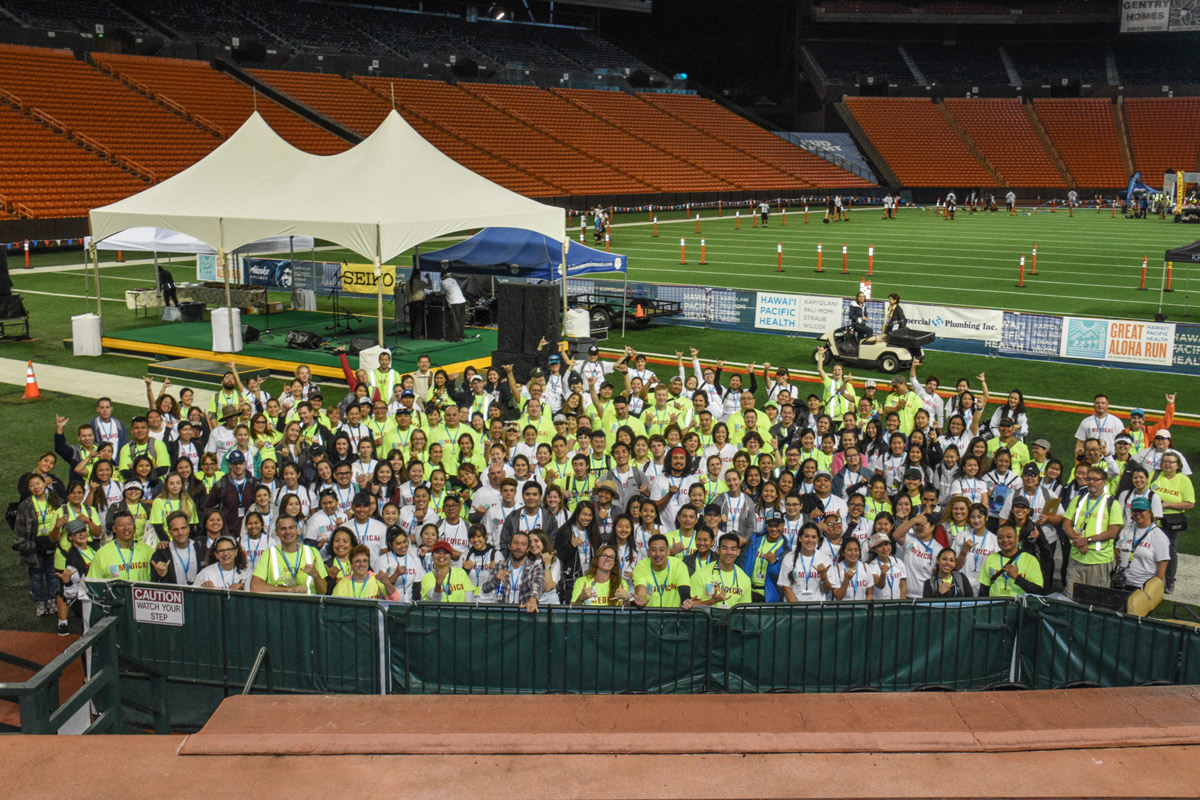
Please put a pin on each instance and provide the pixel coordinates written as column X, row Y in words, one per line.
column 222, row 328
column 191, row 312
column 85, row 335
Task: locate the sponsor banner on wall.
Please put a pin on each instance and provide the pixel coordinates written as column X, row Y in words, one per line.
column 360, row 279
column 795, row 313
column 1145, row 16
column 207, row 269
column 269, row 272
column 1187, row 346
column 956, row 322
column 1118, row 341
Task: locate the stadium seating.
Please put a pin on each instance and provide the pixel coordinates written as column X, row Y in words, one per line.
column 326, row 32
column 554, row 114
column 849, row 61
column 220, row 99
column 1039, row 63
column 1164, row 133
column 211, row 21
column 1001, row 131
column 1157, row 62
column 917, row 142
column 1084, row 132
column 113, row 116
column 963, row 63
column 54, row 177
column 338, row 98
column 666, row 132
column 72, row 15
column 758, row 143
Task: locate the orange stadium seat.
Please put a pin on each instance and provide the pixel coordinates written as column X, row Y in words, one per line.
column 1163, row 132
column 917, row 142
column 338, row 98
column 220, row 99
column 1005, row 136
column 1084, row 131
column 88, row 101
column 756, row 142
column 53, row 177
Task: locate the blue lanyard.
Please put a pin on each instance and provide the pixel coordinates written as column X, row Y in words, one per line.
column 187, row 566
column 289, row 567
column 127, row 565
column 354, row 586
column 514, row 581
column 812, row 561
column 660, row 588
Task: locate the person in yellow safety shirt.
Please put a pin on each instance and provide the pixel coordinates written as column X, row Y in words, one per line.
column 289, row 566
column 444, row 583
column 660, row 581
column 721, row 584
column 362, row 584
column 1016, row 448
column 905, row 402
column 1010, row 572
column 123, row 558
column 1091, row 523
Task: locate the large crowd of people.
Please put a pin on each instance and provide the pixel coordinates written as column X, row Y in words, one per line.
column 598, row 482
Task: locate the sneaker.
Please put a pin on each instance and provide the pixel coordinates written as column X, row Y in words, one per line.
column 1169, row 588
column 41, row 609
column 62, row 628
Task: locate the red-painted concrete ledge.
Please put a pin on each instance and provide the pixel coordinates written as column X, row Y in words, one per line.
column 975, row 722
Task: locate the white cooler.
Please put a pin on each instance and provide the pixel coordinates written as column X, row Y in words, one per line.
column 579, row 323
column 221, row 340
column 85, row 334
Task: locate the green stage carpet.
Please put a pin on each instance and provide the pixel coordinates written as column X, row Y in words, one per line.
column 477, row 342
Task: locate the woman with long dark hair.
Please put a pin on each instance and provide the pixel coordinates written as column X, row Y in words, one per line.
column 576, row 543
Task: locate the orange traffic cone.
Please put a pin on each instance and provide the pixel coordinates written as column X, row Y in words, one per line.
column 31, row 387
column 640, row 312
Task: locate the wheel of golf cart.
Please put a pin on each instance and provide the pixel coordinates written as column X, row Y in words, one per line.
column 889, row 363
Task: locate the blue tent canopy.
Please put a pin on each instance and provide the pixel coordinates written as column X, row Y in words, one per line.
column 519, row 253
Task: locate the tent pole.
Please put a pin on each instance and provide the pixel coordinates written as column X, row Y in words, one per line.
column 223, row 258
column 564, row 283
column 379, row 284
column 96, row 276
column 158, row 286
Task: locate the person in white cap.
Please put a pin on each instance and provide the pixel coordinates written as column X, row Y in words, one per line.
column 1151, row 457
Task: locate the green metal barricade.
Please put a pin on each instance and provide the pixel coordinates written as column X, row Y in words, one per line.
column 891, row 646
column 1064, row 643
column 316, row 644
column 492, row 649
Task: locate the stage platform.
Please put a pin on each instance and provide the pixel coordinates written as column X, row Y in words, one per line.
column 1139, row 742
column 193, row 340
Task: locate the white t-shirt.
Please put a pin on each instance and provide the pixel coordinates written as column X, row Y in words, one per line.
column 371, row 533
column 980, row 550
column 861, row 581
column 1104, row 428
column 222, row 578
column 456, row 534
column 919, row 560
column 799, row 573
column 411, row 576
column 892, row 577
column 1152, row 547
column 255, row 548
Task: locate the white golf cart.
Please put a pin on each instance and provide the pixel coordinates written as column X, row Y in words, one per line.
column 891, row 353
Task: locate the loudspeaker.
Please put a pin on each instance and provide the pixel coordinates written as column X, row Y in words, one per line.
column 11, row 307
column 191, row 312
column 542, row 312
column 510, row 317
column 303, row 340
column 250, row 333
column 522, row 363
column 360, row 343
column 5, row 280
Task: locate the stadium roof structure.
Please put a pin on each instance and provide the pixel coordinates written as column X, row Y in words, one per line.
column 390, row 192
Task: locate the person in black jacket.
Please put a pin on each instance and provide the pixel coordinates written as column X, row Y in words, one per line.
column 946, row 582
column 233, row 494
column 179, row 560
column 858, row 318
column 894, row 318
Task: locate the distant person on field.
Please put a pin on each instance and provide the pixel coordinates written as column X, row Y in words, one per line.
column 830, row 209
column 839, row 209
column 1011, row 200
column 764, row 209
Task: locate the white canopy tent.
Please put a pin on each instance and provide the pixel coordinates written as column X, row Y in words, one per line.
column 161, row 240
column 390, row 192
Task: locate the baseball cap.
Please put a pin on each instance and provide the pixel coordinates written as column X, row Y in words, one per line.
column 1137, row 412
column 1140, row 504
column 878, row 539
column 407, row 393
column 773, row 515
column 315, row 394
column 1031, row 469
column 452, row 497
column 132, row 485
column 913, row 475
column 1041, row 443
column 870, row 384
column 476, row 377
column 361, row 499
column 824, row 473
column 574, row 378
column 405, row 410
column 554, row 359
column 593, row 351
column 1005, row 422
column 712, row 508
column 1123, row 437
column 236, row 457
column 442, row 545
column 560, row 418
column 1165, row 433
column 1020, row 502
column 74, row 526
